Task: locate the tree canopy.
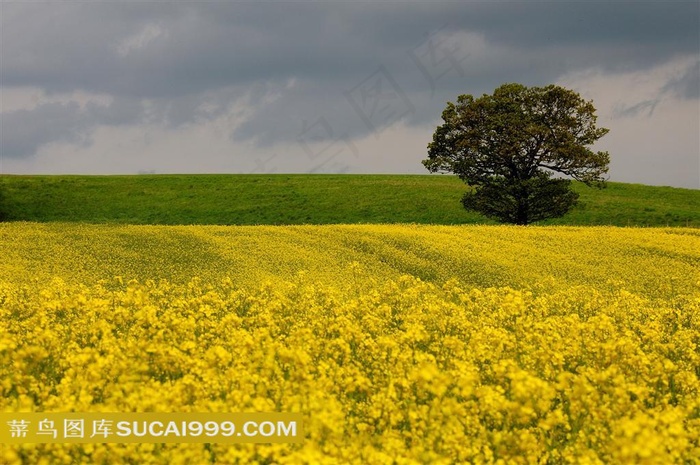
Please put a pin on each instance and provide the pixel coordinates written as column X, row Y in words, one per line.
column 507, row 147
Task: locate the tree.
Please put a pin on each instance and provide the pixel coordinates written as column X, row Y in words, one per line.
column 507, row 147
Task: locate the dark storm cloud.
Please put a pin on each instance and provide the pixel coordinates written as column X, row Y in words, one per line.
column 660, row 27
column 203, row 46
column 24, row 131
column 200, row 47
column 179, row 54
column 686, row 86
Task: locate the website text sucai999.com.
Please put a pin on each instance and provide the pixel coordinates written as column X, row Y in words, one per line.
column 194, row 429
column 150, row 427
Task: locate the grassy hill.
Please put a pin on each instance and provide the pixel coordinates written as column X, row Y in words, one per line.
column 310, row 199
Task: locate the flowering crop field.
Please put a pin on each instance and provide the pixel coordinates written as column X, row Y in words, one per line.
column 398, row 343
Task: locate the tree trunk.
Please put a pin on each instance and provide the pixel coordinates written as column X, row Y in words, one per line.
column 521, row 216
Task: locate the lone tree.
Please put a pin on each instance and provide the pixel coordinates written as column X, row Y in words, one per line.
column 508, row 145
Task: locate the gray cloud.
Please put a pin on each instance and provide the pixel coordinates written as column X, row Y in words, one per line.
column 24, row 131
column 120, row 112
column 645, row 108
column 179, row 63
column 205, row 46
column 686, row 86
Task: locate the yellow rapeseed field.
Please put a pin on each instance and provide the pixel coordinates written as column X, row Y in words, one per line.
column 398, row 343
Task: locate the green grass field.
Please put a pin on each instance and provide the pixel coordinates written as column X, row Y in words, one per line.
column 310, row 199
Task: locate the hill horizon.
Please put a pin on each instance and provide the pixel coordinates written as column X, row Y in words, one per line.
column 293, row 199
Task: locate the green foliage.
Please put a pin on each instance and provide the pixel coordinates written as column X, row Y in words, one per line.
column 512, row 141
column 522, row 201
column 313, row 199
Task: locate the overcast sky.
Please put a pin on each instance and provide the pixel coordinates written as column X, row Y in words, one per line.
column 358, row 87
